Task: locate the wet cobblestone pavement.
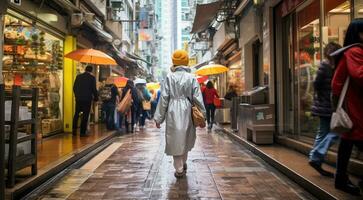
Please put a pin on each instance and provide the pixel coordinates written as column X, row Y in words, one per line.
column 138, row 169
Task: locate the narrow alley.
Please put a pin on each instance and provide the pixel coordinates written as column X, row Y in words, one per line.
column 137, row 168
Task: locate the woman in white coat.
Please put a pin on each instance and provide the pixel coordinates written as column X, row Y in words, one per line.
column 178, row 90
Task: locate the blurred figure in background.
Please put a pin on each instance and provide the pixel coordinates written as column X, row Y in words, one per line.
column 322, row 108
column 142, row 113
column 209, row 94
column 110, row 97
column 231, row 92
column 130, row 117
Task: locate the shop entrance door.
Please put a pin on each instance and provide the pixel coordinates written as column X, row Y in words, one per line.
column 289, row 81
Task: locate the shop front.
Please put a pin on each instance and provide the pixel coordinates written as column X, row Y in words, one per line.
column 302, row 30
column 33, row 57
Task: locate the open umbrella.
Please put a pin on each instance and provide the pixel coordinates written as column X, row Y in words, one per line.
column 120, row 81
column 202, row 79
column 211, row 69
column 153, row 86
column 139, row 81
column 91, row 56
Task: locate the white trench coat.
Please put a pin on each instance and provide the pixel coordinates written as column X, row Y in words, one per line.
column 174, row 107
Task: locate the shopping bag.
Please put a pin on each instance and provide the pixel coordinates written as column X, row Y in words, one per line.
column 197, row 115
column 125, row 103
column 146, row 105
column 340, row 121
column 217, row 102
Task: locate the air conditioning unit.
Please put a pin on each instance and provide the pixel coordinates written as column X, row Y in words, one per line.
column 76, row 19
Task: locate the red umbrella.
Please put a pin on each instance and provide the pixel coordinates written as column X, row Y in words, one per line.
column 120, row 81
column 202, row 79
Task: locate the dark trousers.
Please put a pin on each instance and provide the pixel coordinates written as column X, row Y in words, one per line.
column 110, row 115
column 143, row 115
column 129, row 125
column 211, row 109
column 85, row 108
column 344, row 152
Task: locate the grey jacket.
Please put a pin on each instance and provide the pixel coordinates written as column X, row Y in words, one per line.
column 175, row 108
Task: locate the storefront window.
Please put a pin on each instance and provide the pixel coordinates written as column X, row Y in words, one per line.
column 34, row 58
column 337, row 18
column 309, row 56
column 236, row 77
column 358, row 9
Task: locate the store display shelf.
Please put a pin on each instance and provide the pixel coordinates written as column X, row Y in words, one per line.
column 23, row 139
column 24, row 161
column 22, row 122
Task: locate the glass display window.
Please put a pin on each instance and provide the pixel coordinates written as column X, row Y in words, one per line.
column 34, row 58
column 309, row 56
column 337, row 18
column 235, row 77
column 358, row 9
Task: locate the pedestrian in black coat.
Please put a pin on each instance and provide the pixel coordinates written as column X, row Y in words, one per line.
column 85, row 91
column 322, row 108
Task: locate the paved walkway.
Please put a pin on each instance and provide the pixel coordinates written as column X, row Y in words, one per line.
column 137, row 168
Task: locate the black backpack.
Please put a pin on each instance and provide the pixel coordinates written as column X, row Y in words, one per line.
column 105, row 93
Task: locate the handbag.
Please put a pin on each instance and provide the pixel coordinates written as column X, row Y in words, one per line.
column 340, row 121
column 217, row 102
column 125, row 104
column 146, row 105
column 197, row 115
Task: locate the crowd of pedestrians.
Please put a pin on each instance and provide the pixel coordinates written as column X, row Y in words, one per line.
column 181, row 94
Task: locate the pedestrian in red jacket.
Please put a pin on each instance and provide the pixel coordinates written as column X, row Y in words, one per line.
column 209, row 93
column 350, row 65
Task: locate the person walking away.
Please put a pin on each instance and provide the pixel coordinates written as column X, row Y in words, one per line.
column 209, row 94
column 130, row 116
column 178, row 90
column 85, row 91
column 109, row 95
column 231, row 93
column 322, row 108
column 154, row 103
column 144, row 95
column 350, row 65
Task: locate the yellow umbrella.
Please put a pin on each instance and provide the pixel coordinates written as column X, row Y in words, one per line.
column 211, row 69
column 153, row 86
column 91, row 56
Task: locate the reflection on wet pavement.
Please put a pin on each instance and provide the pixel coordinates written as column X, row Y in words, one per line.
column 217, row 169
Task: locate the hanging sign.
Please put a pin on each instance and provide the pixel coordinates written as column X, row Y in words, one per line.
column 16, row 2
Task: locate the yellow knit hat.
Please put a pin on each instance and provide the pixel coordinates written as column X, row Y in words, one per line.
column 180, row 57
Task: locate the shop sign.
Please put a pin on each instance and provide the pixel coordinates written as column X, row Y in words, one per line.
column 16, row 2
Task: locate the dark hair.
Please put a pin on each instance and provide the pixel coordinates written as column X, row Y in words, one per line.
column 330, row 48
column 89, row 68
column 210, row 85
column 130, row 84
column 352, row 35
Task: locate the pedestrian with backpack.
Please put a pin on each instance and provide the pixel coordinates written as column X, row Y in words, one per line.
column 110, row 96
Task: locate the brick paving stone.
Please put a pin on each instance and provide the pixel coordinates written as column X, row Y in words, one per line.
column 218, row 168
